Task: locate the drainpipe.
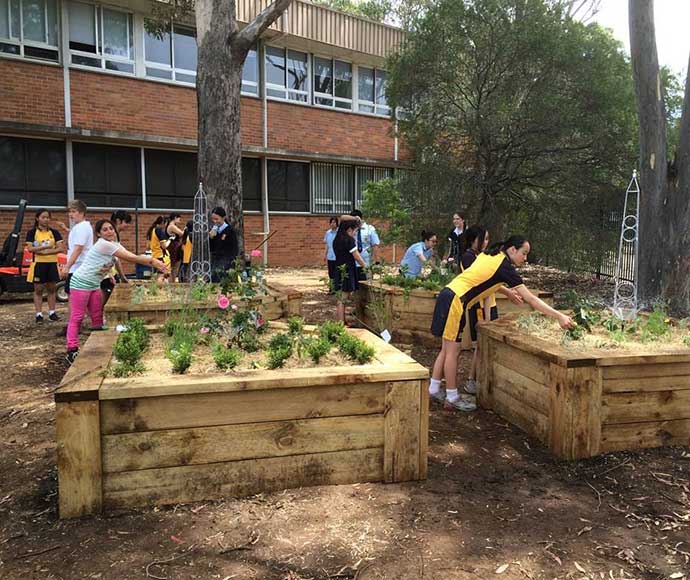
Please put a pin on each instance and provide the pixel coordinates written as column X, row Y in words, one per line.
column 67, row 98
column 264, row 144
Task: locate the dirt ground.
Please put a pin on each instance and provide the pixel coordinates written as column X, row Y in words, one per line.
column 496, row 504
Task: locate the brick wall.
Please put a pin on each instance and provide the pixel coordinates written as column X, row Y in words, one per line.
column 31, row 93
column 298, row 240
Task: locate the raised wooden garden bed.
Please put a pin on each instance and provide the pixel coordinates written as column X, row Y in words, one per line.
column 581, row 404
column 409, row 314
column 137, row 441
column 278, row 302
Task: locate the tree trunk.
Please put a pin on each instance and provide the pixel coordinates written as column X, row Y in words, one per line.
column 664, row 244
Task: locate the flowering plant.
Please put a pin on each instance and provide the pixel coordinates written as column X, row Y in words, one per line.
column 223, row 302
column 255, row 253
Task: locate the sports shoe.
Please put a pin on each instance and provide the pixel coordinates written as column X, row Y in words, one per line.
column 54, row 317
column 462, row 403
column 72, row 356
column 439, row 396
column 471, row 387
column 39, row 318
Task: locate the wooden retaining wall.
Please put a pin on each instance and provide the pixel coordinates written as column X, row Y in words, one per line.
column 581, row 405
column 130, row 442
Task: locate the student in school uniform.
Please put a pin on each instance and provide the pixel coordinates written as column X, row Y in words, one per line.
column 489, row 272
column 186, row 251
column 417, row 254
column 367, row 244
column 346, row 258
column 328, row 238
column 456, row 241
column 121, row 220
column 158, row 242
column 44, row 243
column 223, row 244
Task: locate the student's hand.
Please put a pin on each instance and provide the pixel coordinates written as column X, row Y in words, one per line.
column 566, row 322
column 212, row 233
column 62, row 270
column 61, row 226
column 514, row 296
column 160, row 266
column 124, row 280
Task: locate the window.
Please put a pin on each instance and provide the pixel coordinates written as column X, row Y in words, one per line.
column 251, row 184
column 366, row 174
column 29, row 28
column 33, row 170
column 372, row 91
column 100, row 37
column 287, row 74
column 250, row 74
column 288, row 186
column 332, row 83
column 106, row 176
column 172, row 57
column 332, row 188
column 171, row 179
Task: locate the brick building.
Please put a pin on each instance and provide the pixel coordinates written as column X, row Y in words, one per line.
column 95, row 108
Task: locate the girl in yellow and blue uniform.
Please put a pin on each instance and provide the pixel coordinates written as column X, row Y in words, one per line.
column 489, row 272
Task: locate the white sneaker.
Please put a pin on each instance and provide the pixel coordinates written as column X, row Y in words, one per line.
column 439, row 396
column 471, row 387
column 462, row 403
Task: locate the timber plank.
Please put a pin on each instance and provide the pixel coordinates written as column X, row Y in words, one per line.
column 529, row 420
column 168, row 448
column 526, row 364
column 385, row 353
column 646, row 370
column 83, row 379
column 646, row 406
column 423, row 430
column 529, row 392
column 210, row 409
column 645, row 435
column 136, row 387
column 680, row 356
column 240, row 478
column 78, row 458
column 401, row 431
column 637, row 384
column 485, row 376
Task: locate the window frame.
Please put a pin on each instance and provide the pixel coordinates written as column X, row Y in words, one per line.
column 256, row 84
column 171, row 68
column 378, row 110
column 336, row 207
column 358, row 185
column 22, row 43
column 334, row 99
column 100, row 30
column 268, row 191
column 284, row 88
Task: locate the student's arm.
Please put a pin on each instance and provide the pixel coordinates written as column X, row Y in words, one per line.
column 511, row 294
column 120, row 271
column 143, row 259
column 175, row 230
column 563, row 320
column 76, row 252
column 358, row 258
column 486, row 305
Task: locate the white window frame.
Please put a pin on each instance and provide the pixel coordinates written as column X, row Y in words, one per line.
column 256, row 83
column 99, row 54
column 378, row 110
column 332, row 97
column 336, row 206
column 21, row 43
column 359, row 190
column 172, row 68
column 288, row 92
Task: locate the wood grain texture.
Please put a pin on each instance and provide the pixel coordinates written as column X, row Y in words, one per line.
column 83, row 379
column 646, row 406
column 401, row 431
column 641, row 384
column 526, row 418
column 645, row 435
column 529, row 392
column 240, row 478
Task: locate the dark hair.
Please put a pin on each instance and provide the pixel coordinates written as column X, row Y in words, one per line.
column 159, row 220
column 219, row 211
column 124, row 216
column 357, row 213
column 188, row 229
column 512, row 242
column 39, row 211
column 474, row 233
column 333, row 219
column 100, row 224
column 459, row 214
column 427, row 235
column 173, row 216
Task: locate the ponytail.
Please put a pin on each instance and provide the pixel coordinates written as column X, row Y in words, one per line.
column 512, row 242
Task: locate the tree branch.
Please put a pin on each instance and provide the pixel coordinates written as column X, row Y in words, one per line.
column 251, row 33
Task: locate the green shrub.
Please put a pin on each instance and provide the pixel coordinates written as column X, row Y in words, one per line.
column 127, row 369
column 127, row 348
column 295, row 325
column 137, row 327
column 280, row 340
column 225, row 358
column 180, row 356
column 356, row 349
column 318, row 348
column 332, row 331
column 278, row 356
column 656, row 325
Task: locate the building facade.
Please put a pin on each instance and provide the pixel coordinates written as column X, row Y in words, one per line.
column 94, row 107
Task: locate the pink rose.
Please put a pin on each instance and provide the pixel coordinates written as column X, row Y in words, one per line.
column 223, row 301
column 204, row 330
column 255, row 254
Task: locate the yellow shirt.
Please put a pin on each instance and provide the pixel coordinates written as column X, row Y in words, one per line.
column 187, row 251
column 156, row 249
column 43, row 239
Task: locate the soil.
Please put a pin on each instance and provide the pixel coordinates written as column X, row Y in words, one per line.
column 496, row 503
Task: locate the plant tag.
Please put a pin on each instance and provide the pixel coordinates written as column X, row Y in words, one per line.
column 385, row 335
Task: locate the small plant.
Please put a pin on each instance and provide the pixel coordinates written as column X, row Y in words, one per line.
column 127, row 348
column 686, row 340
column 356, row 349
column 138, row 294
column 656, row 325
column 332, row 331
column 280, row 340
column 137, row 327
column 180, row 356
column 317, row 348
column 295, row 325
column 122, row 370
column 225, row 358
column 278, row 356
column 249, row 341
column 201, row 291
column 152, row 287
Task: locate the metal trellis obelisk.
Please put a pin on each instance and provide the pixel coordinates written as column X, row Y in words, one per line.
column 625, row 294
column 200, row 266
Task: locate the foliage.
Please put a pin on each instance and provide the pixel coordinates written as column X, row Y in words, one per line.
column 527, row 122
column 383, row 200
column 277, row 357
column 243, row 280
column 122, row 370
column 317, row 348
column 129, row 348
column 225, row 358
column 295, row 325
column 180, row 356
column 356, row 349
column 202, row 291
column 377, row 10
column 332, row 331
column 280, row 340
column 137, row 327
